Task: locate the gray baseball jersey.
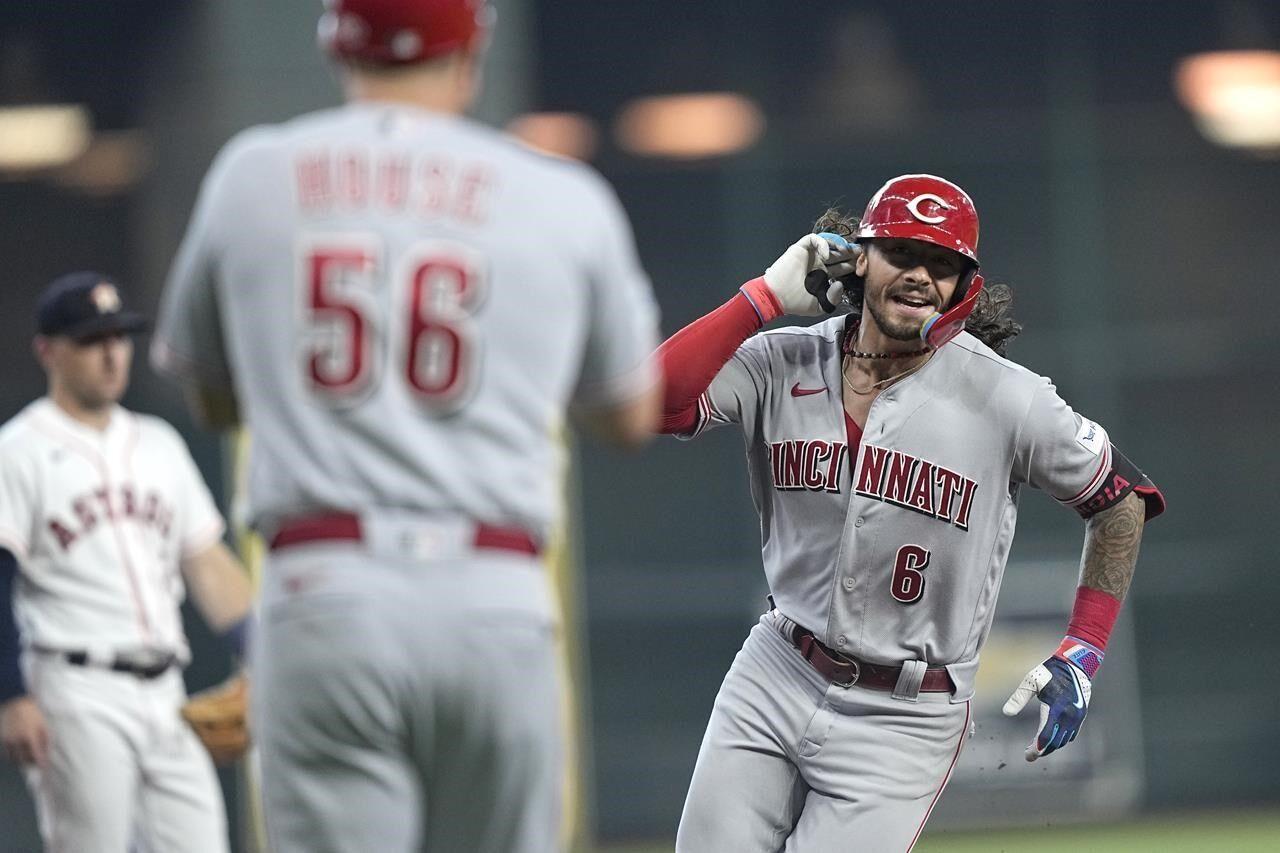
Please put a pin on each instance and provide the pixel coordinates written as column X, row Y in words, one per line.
column 404, row 302
column 897, row 553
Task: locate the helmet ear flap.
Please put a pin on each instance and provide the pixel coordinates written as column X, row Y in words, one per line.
column 940, row 328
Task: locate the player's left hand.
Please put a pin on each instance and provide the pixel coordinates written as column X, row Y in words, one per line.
column 1063, row 689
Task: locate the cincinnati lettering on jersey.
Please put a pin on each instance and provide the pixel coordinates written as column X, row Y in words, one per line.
column 915, row 484
column 90, row 510
column 810, row 464
column 392, row 182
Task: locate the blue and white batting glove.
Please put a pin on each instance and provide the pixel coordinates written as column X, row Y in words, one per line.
column 1063, row 684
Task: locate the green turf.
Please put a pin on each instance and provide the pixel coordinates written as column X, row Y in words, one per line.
column 1243, row 832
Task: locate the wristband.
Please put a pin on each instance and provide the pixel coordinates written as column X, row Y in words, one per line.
column 1086, row 657
column 1093, row 616
column 762, row 299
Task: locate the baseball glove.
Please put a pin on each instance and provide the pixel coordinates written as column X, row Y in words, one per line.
column 218, row 716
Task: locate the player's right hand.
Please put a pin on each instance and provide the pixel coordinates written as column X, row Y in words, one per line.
column 1063, row 690
column 23, row 732
column 786, row 276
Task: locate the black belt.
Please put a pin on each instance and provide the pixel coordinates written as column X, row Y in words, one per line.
column 151, row 667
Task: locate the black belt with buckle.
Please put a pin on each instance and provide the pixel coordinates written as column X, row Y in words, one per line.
column 150, row 667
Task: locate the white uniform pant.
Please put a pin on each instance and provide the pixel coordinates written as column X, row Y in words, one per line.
column 125, row 772
column 406, row 704
column 791, row 762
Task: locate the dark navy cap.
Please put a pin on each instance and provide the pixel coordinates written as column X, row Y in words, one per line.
column 83, row 306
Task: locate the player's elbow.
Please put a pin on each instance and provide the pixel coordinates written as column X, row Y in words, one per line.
column 629, row 425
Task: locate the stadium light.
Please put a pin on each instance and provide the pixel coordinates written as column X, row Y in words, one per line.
column 689, row 127
column 42, row 136
column 1234, row 97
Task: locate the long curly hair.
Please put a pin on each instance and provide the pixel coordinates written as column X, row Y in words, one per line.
column 991, row 321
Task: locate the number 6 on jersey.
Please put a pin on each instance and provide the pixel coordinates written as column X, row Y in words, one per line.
column 420, row 319
column 907, row 584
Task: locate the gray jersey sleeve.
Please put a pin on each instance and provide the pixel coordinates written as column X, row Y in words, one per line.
column 735, row 394
column 188, row 340
column 618, row 362
column 1060, row 452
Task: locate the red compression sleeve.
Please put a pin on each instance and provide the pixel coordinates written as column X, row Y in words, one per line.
column 1093, row 616
column 693, row 356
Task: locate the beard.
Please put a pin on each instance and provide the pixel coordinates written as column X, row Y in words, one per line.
column 905, row 330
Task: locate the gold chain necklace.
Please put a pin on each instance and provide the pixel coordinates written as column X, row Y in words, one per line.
column 844, row 374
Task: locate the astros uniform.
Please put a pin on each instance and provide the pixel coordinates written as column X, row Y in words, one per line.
column 404, row 302
column 888, row 544
column 99, row 522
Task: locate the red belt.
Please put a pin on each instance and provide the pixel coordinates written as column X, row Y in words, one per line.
column 846, row 671
column 345, row 527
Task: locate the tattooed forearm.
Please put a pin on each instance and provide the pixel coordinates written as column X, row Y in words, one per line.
column 1111, row 547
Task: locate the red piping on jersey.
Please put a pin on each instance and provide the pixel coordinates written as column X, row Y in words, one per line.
column 964, row 732
column 693, row 356
column 1104, row 468
column 76, row 445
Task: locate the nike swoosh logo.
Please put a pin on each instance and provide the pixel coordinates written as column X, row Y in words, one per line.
column 797, row 391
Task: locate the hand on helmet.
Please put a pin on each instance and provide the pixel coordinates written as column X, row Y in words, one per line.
column 785, row 278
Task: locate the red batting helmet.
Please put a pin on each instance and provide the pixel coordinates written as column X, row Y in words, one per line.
column 928, row 208
column 400, row 32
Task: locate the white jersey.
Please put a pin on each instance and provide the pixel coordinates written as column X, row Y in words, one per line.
column 894, row 550
column 99, row 522
column 404, row 302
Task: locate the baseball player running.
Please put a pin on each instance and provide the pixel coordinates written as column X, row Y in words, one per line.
column 887, row 448
column 104, row 524
column 401, row 303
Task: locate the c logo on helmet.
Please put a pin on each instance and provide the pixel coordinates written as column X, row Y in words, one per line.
column 913, row 207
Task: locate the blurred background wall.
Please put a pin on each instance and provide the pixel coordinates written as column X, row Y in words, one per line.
column 1141, row 250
